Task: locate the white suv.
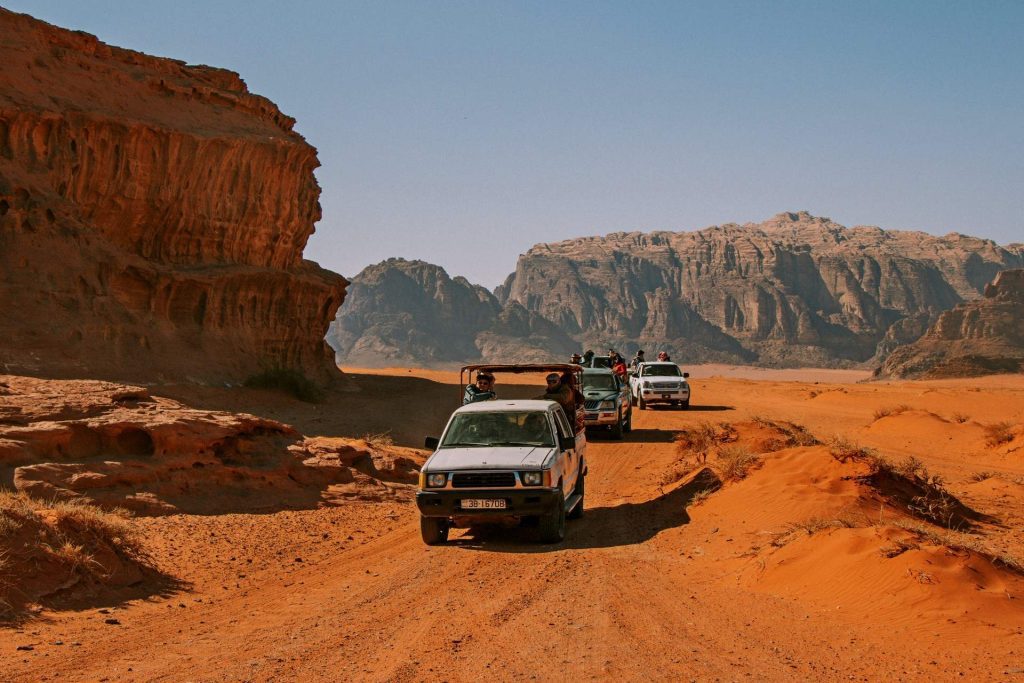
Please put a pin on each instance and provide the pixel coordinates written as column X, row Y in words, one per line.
column 660, row 382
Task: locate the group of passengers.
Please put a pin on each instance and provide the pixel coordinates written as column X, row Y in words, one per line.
column 560, row 388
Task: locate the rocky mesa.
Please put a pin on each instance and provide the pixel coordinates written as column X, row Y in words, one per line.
column 793, row 290
column 979, row 337
column 153, row 217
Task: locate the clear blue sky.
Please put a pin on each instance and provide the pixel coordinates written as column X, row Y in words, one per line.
column 464, row 132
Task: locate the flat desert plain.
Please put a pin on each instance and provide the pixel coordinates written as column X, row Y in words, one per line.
column 787, row 527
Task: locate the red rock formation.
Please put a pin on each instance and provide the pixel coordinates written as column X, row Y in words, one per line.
column 117, row 446
column 152, row 218
column 976, row 338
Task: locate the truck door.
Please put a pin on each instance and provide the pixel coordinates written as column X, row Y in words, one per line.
column 570, row 458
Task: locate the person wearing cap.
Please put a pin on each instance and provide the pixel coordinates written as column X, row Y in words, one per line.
column 482, row 390
column 576, row 358
column 637, row 360
column 561, row 393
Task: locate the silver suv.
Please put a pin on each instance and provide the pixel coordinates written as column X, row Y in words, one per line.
column 660, row 382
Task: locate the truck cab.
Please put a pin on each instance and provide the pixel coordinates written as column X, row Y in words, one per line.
column 517, row 460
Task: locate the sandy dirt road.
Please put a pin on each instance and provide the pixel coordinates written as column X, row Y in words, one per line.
column 646, row 587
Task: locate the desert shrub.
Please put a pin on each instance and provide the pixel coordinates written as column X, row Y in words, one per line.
column 843, row 449
column 960, row 418
column 702, row 495
column 891, row 410
column 998, row 434
column 982, row 476
column 792, row 434
column 735, row 462
column 957, row 540
column 289, row 381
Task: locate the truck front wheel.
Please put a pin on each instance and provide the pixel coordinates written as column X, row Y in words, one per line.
column 434, row 530
column 552, row 526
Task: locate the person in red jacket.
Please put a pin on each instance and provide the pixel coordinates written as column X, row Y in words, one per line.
column 619, row 368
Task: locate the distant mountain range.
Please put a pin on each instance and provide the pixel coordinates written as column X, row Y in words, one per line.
column 795, row 290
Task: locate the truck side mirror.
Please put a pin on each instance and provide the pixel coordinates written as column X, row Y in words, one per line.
column 431, row 442
column 566, row 442
column 686, row 374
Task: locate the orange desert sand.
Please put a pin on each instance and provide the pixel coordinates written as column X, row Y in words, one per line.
column 775, row 531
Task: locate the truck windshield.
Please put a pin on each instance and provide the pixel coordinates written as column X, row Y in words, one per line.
column 499, row 429
column 598, row 382
column 661, row 371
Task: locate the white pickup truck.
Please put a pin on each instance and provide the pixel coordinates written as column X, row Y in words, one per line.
column 516, row 459
column 659, row 382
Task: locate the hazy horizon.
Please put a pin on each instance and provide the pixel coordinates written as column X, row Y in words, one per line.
column 463, row 133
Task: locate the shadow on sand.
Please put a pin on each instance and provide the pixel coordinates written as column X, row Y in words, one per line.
column 600, row 527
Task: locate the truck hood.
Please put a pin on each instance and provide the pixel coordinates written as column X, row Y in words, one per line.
column 488, row 458
column 602, row 395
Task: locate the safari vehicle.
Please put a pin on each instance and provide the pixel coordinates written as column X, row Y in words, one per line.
column 607, row 401
column 504, row 460
column 659, row 382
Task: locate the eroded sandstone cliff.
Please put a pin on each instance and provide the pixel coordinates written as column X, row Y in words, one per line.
column 795, row 289
column 979, row 337
column 152, row 218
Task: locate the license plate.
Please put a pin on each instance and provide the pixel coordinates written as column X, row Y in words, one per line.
column 666, row 395
column 484, row 504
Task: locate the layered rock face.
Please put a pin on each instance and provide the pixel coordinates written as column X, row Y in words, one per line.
column 975, row 338
column 152, row 218
column 411, row 312
column 793, row 290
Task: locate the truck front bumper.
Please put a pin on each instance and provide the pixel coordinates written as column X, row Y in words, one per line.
column 518, row 502
column 604, row 418
column 664, row 396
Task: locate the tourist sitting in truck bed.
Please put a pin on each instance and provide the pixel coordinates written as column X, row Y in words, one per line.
column 482, row 390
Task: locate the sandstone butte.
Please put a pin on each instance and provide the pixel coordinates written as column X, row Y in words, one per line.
column 153, row 217
column 979, row 337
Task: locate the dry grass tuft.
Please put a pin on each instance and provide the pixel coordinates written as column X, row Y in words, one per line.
column 891, row 410
column 379, row 441
column 700, row 441
column 961, row 418
column 735, row 462
column 702, row 495
column 998, row 434
column 957, row 540
column 842, row 449
column 812, row 526
column 982, row 476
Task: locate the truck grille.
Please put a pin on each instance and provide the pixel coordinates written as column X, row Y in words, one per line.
column 471, row 480
column 665, row 385
column 591, row 405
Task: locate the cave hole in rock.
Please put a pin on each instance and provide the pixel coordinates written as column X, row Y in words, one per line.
column 135, row 442
column 4, row 207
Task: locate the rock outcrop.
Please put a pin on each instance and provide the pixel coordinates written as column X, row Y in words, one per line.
column 979, row 337
column 152, row 218
column 117, row 446
column 402, row 312
column 794, row 290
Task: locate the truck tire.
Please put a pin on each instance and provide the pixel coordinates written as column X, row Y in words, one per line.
column 434, row 530
column 628, row 427
column 617, row 429
column 685, row 404
column 552, row 526
column 580, row 489
column 641, row 403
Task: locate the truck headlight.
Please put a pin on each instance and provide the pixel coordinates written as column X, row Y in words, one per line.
column 437, row 480
column 531, row 478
